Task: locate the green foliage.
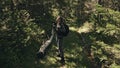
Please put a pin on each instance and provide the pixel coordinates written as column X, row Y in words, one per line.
column 107, row 22
column 19, row 38
column 106, row 33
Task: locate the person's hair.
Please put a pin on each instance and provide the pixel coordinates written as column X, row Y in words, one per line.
column 60, row 18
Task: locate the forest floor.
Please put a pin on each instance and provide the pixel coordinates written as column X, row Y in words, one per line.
column 73, row 51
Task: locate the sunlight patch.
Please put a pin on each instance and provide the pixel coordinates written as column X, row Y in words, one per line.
column 73, row 28
column 87, row 27
column 51, row 60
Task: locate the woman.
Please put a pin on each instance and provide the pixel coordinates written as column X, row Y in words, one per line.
column 59, row 37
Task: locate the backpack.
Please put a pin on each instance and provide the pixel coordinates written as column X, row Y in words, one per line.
column 63, row 30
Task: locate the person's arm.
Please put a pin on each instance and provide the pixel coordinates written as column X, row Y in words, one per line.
column 54, row 27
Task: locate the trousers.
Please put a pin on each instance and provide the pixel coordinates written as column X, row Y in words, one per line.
column 59, row 41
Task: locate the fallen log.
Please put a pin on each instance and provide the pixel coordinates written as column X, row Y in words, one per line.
column 41, row 52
